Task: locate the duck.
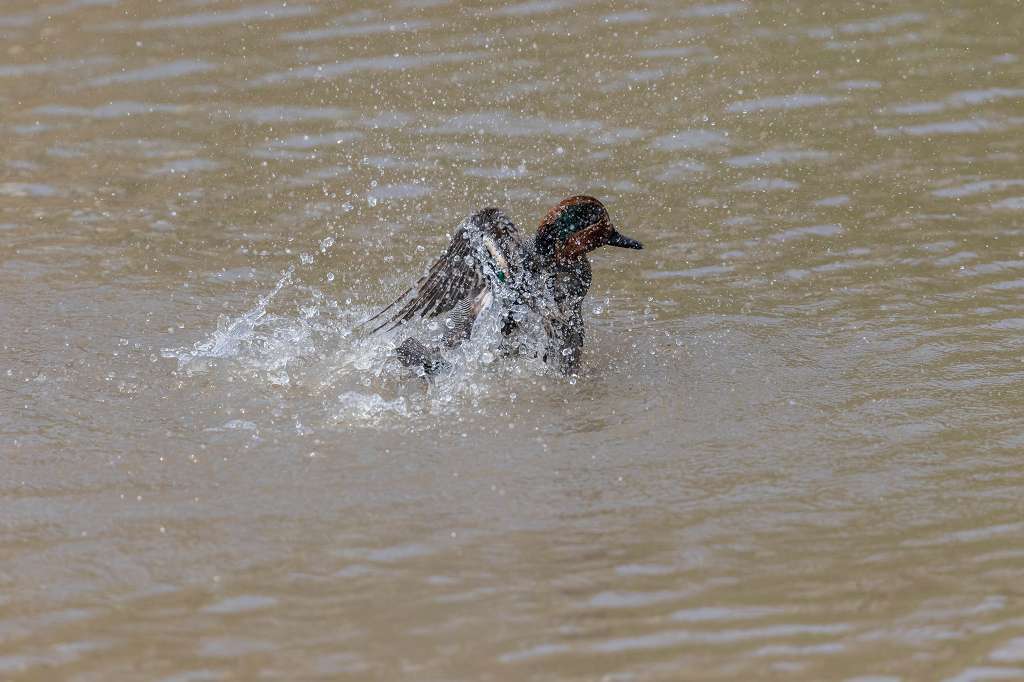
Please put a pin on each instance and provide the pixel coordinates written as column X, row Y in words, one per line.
column 538, row 283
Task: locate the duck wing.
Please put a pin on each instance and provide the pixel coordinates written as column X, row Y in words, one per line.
column 486, row 249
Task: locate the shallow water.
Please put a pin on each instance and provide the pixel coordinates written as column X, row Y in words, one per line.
column 794, row 451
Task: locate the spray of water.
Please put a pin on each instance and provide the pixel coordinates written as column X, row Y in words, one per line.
column 307, row 344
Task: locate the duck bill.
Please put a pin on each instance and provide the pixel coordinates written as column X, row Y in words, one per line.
column 620, row 240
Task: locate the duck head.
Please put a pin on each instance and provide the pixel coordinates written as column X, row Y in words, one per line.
column 577, row 226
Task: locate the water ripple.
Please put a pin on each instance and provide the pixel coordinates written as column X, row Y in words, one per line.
column 174, row 69
column 382, row 64
column 199, row 20
column 781, row 103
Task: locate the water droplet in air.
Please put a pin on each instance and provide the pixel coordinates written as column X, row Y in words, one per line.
column 330, row 276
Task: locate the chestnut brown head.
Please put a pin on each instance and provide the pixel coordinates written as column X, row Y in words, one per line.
column 577, row 226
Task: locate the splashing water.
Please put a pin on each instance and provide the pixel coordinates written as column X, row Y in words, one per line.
column 229, row 335
column 309, row 346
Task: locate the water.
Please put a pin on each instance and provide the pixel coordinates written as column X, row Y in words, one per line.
column 793, row 451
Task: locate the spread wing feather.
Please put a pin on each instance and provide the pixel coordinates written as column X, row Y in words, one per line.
column 459, row 273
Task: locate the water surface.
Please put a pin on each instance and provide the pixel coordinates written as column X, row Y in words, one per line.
column 794, row 449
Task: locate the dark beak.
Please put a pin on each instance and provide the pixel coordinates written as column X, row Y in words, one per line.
column 625, row 242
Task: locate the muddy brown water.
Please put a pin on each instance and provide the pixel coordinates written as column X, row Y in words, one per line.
column 794, row 451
